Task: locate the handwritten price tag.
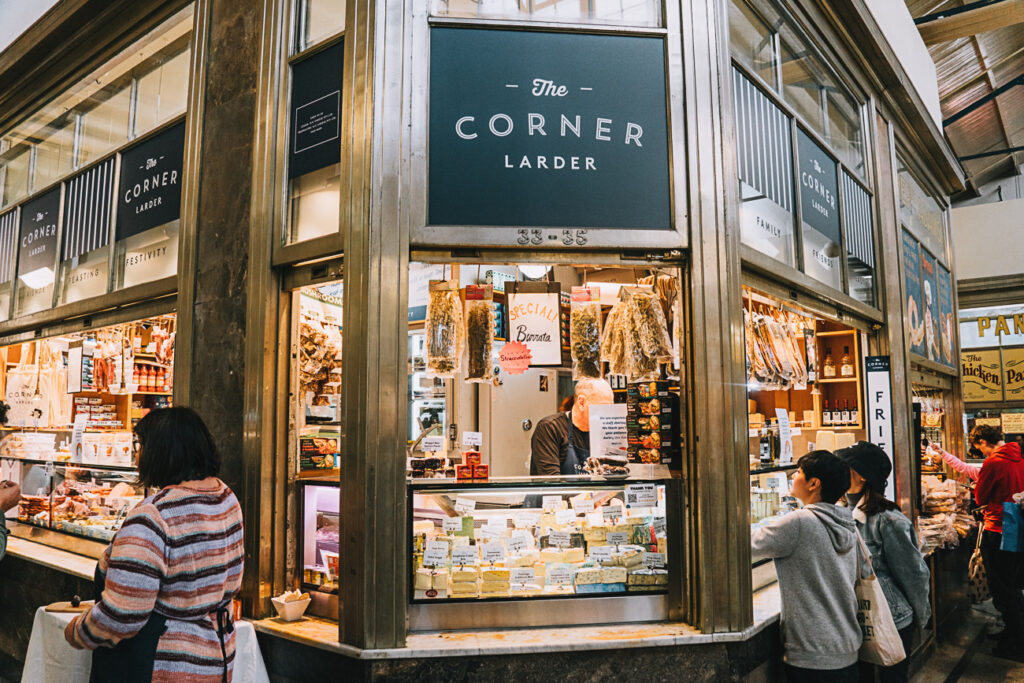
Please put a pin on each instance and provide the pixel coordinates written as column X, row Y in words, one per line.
column 432, row 444
column 452, row 524
column 472, row 439
column 465, row 555
column 559, row 539
column 494, row 552
column 464, row 505
column 517, row 541
column 601, row 553
column 526, row 519
column 581, row 504
column 564, row 516
column 654, row 560
column 611, row 512
column 551, row 503
column 559, row 574
column 523, row 575
column 659, row 526
column 618, row 537
column 435, row 554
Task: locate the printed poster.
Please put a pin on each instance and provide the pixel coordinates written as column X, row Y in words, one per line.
column 946, row 322
column 915, row 301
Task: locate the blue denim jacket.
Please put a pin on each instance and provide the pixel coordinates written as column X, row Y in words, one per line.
column 898, row 564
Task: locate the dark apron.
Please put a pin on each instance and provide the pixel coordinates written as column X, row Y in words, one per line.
column 132, row 659
column 575, row 458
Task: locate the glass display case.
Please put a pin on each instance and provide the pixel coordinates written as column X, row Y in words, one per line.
column 319, row 501
column 521, row 539
column 90, row 501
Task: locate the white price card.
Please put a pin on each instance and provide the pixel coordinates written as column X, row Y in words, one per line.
column 523, row 575
column 654, row 560
column 451, row 524
column 581, row 504
column 474, row 439
column 564, row 516
column 595, row 519
column 488, row 532
column 464, row 505
column 611, row 512
column 48, row 468
column 499, row 522
column 435, row 554
column 494, row 552
column 601, row 553
column 641, row 495
column 464, row 554
column 559, row 539
column 659, row 526
column 559, row 574
column 618, row 537
column 517, row 541
column 526, row 519
column 432, row 444
column 551, row 503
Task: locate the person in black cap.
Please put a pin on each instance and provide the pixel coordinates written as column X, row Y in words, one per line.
column 891, row 540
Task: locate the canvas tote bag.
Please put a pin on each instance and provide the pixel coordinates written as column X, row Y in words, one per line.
column 882, row 644
column 977, row 578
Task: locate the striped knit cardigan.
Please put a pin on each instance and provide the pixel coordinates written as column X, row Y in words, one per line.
column 178, row 554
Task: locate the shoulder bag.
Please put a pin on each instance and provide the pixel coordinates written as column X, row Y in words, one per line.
column 882, row 644
column 977, row 579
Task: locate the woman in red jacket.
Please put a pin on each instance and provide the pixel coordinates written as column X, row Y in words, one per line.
column 1001, row 476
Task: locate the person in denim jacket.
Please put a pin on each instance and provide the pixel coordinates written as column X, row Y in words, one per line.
column 895, row 557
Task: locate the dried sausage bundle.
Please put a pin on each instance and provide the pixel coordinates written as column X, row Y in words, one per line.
column 479, row 333
column 444, row 328
column 585, row 333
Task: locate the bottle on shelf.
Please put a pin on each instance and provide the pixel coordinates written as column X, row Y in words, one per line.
column 764, row 448
column 135, row 375
column 846, row 412
column 837, row 415
column 846, row 363
column 828, row 369
column 854, row 416
column 826, row 415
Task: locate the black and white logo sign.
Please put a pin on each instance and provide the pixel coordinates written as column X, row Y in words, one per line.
column 316, row 112
column 37, row 237
column 547, row 130
column 818, row 187
column 149, row 192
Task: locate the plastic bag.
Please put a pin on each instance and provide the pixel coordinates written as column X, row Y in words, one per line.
column 444, row 329
column 613, row 342
column 479, row 333
column 651, row 327
column 585, row 333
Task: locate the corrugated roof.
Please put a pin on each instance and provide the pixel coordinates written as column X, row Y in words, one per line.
column 968, row 69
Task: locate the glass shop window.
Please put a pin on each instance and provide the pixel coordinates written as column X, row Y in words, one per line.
column 318, row 20
column 14, row 167
column 625, row 12
column 804, row 83
column 860, row 247
column 844, row 131
column 54, row 152
column 752, row 42
column 764, row 156
column 105, row 124
column 8, row 239
column 162, row 92
column 919, row 210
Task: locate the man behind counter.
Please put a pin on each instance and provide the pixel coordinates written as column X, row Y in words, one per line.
column 553, row 451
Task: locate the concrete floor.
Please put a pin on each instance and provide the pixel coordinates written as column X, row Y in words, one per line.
column 966, row 656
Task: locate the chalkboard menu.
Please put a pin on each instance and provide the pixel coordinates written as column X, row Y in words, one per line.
column 37, row 236
column 149, row 190
column 532, row 129
column 912, row 283
column 316, row 112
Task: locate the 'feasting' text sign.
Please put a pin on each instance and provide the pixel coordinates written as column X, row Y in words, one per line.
column 547, row 130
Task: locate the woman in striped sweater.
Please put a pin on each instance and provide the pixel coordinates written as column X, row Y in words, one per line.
column 171, row 572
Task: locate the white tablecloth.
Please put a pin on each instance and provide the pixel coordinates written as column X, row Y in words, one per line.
column 51, row 660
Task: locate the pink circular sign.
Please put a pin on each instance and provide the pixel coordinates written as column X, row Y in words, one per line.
column 515, row 358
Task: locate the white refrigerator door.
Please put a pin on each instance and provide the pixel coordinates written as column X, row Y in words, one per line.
column 515, row 408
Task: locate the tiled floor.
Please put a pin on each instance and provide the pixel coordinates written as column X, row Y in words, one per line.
column 966, row 657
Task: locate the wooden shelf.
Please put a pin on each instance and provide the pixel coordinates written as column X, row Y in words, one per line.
column 836, row 333
column 837, row 380
column 151, row 393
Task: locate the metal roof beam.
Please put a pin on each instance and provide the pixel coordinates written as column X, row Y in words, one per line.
column 953, row 118
column 962, row 22
column 992, row 153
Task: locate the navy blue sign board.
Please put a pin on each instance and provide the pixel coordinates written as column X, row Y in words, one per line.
column 149, row 190
column 316, row 112
column 547, row 130
column 819, row 187
column 37, row 236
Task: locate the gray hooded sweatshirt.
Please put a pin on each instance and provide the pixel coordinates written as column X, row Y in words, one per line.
column 815, row 553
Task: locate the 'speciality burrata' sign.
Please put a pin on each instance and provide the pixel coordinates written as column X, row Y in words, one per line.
column 547, row 130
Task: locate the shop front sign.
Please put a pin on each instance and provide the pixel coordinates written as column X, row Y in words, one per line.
column 316, row 112
column 819, row 190
column 149, row 190
column 1013, row 373
column 981, row 372
column 547, row 129
column 37, row 240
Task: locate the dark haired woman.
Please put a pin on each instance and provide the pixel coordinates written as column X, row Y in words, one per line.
column 172, row 570
column 891, row 540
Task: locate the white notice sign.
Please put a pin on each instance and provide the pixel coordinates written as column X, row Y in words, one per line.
column 608, row 430
column 785, row 436
column 879, row 406
column 535, row 320
column 641, row 495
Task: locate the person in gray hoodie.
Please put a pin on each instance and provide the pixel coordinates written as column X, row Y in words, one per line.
column 815, row 553
column 890, row 538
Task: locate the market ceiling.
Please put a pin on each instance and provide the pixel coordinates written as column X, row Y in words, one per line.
column 978, row 50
